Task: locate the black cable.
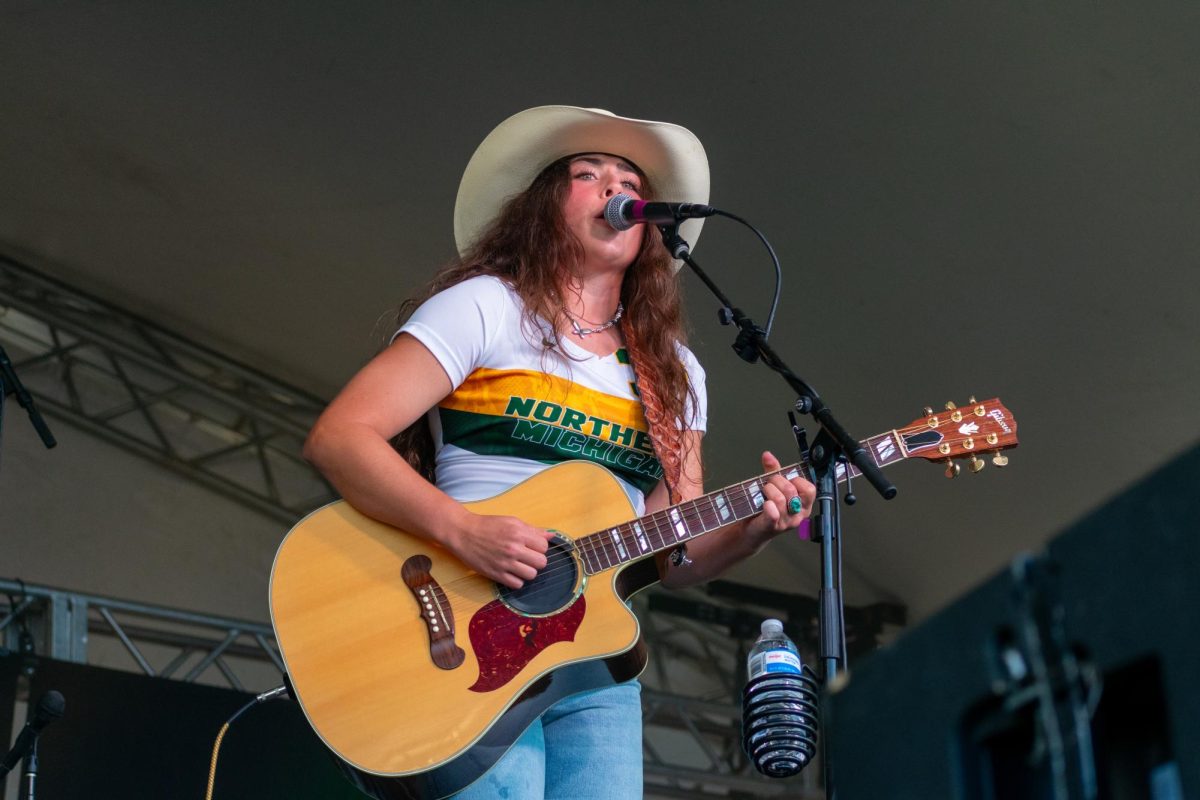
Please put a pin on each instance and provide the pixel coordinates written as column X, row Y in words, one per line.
column 774, row 260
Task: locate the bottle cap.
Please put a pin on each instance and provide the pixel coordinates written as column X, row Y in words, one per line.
column 772, row 628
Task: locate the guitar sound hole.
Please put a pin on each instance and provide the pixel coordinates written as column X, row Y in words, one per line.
column 554, row 586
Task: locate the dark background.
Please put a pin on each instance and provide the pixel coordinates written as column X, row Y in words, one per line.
column 988, row 198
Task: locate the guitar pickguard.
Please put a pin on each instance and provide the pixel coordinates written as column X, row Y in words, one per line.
column 505, row 641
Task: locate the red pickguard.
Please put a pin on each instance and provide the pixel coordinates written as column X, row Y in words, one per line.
column 505, row 641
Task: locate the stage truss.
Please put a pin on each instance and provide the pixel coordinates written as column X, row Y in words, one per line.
column 156, row 394
column 691, row 710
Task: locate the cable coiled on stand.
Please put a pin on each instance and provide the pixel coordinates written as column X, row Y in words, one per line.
column 779, row 722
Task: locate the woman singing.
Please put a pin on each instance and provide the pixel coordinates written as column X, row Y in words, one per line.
column 553, row 337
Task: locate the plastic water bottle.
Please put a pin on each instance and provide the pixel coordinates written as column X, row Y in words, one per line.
column 779, row 706
column 774, row 652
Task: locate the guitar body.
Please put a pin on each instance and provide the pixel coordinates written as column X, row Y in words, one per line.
column 417, row 672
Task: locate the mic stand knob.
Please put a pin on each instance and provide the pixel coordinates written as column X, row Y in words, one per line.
column 851, row 497
column 676, row 245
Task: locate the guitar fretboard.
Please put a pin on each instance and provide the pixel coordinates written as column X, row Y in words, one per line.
column 671, row 527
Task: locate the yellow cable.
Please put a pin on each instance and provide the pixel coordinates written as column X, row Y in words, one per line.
column 212, row 769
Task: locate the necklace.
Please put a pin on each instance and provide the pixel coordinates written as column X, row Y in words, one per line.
column 581, row 332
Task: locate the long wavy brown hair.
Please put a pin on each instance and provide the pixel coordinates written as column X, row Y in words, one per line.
column 530, row 247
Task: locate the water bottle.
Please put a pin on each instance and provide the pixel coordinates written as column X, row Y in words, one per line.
column 779, row 705
column 773, row 652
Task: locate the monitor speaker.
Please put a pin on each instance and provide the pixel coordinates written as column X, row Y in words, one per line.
column 127, row 735
column 1075, row 673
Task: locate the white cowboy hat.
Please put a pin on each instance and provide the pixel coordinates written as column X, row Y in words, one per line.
column 513, row 154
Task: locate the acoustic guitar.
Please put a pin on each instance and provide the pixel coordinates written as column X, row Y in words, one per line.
column 418, row 673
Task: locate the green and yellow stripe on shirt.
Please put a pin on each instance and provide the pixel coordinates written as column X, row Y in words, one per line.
column 547, row 418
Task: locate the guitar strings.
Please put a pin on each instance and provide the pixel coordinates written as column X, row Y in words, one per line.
column 692, row 513
column 595, row 543
column 598, row 547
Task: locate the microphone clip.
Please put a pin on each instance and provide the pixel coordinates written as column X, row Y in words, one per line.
column 676, row 245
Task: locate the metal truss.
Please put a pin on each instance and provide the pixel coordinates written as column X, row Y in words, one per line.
column 149, row 391
column 64, row 625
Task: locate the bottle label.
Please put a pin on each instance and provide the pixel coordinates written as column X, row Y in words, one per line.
column 775, row 661
column 781, row 661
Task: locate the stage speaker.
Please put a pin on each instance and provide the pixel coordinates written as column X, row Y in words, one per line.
column 132, row 736
column 1073, row 674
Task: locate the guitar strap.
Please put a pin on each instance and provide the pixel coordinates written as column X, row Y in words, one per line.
column 665, row 435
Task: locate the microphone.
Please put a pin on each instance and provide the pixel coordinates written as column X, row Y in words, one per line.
column 49, row 708
column 623, row 212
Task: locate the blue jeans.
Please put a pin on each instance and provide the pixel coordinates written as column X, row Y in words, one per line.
column 585, row 747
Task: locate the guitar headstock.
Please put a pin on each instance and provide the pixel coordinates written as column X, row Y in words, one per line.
column 962, row 432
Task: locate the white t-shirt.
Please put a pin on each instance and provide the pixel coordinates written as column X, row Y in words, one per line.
column 517, row 408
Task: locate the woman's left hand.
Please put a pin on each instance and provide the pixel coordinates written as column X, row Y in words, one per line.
column 785, row 503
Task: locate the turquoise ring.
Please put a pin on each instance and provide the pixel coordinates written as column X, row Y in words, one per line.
column 795, row 505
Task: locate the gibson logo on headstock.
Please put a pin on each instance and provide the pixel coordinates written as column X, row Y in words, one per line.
column 998, row 415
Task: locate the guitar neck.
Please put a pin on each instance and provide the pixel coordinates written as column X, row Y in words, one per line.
column 671, row 527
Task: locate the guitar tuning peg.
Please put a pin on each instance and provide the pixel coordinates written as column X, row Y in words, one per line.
column 999, row 459
column 950, row 406
column 977, row 464
column 928, row 411
column 952, row 468
column 971, row 400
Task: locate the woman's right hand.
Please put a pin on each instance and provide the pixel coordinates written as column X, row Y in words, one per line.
column 350, row 446
column 504, row 549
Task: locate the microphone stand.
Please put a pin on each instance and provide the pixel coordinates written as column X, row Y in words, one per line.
column 11, row 384
column 29, row 776
column 832, row 445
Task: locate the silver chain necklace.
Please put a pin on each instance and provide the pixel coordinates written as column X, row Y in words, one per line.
column 581, row 332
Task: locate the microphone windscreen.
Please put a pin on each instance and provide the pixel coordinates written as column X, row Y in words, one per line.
column 49, row 708
column 614, row 212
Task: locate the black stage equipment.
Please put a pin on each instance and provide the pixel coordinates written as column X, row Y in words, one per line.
column 1071, row 675
column 130, row 735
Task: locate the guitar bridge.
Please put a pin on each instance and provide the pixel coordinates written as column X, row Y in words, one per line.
column 435, row 611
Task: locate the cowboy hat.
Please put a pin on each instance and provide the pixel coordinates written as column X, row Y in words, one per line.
column 513, row 154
